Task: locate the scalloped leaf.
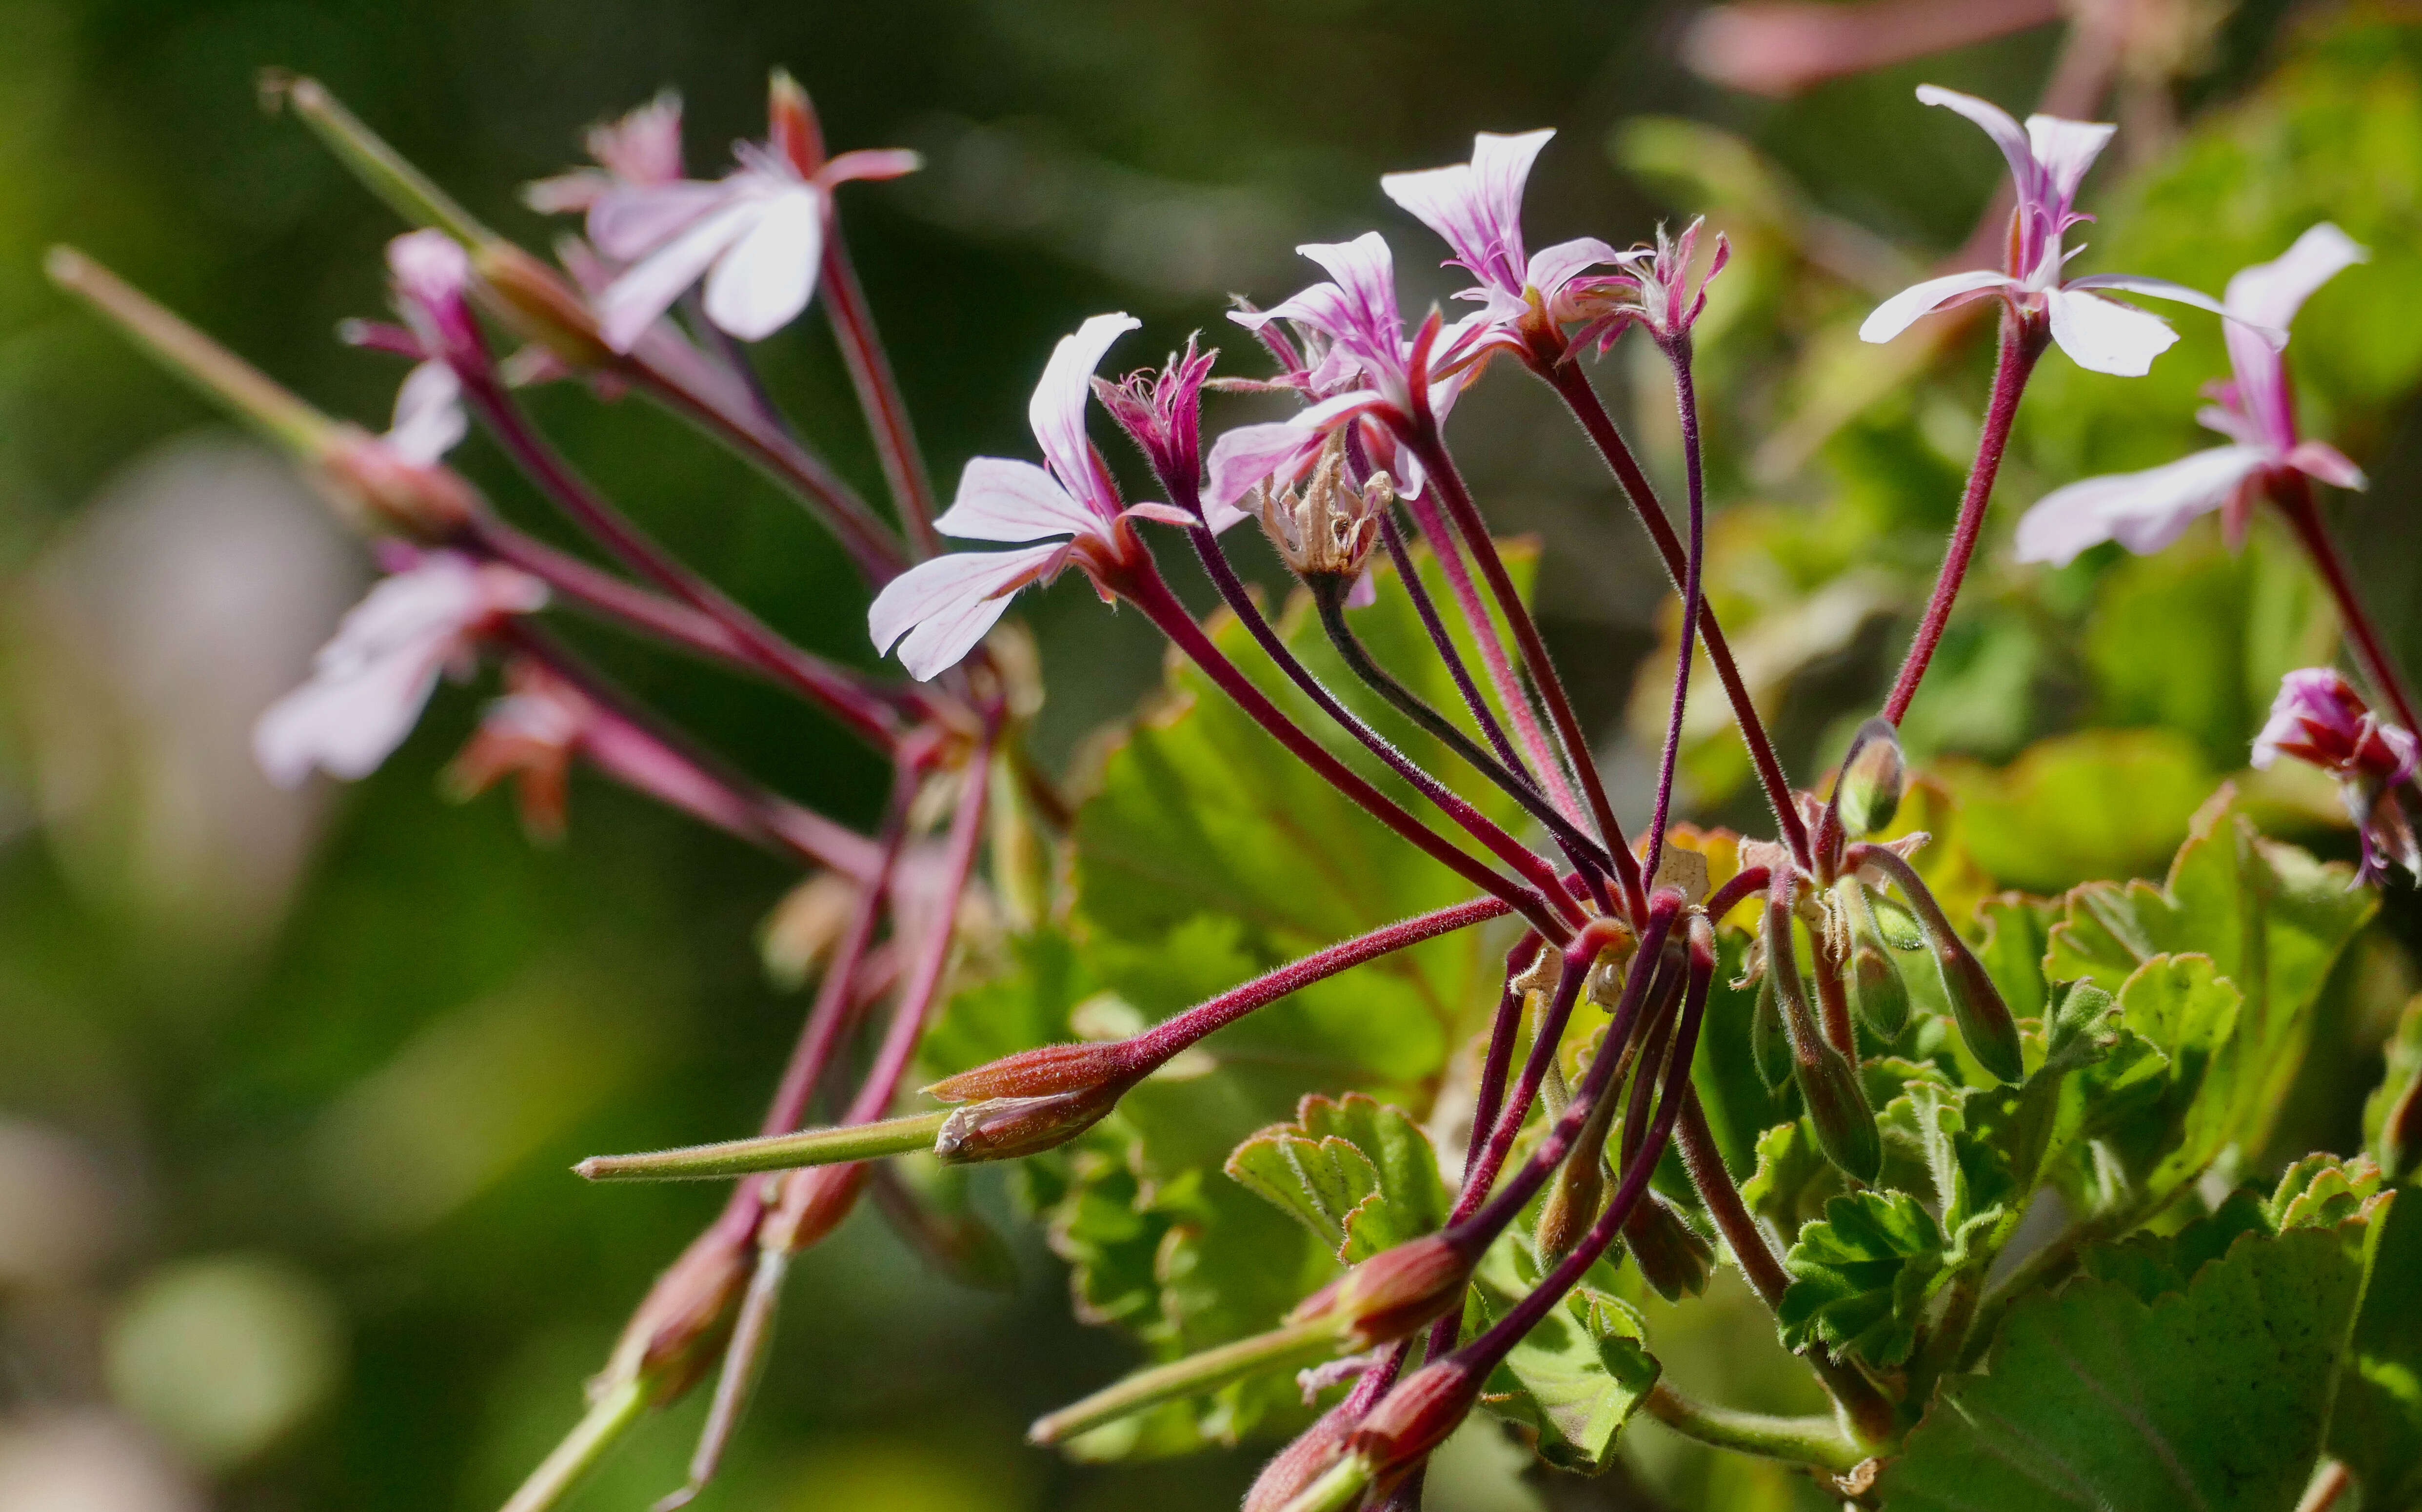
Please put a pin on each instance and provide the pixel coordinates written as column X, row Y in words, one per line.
column 1861, row 1278
column 1358, row 1172
column 1577, row 1376
column 2213, row 1398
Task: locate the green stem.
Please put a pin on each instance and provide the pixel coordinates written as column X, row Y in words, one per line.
column 780, row 1152
column 606, row 1420
column 405, row 188
column 1339, row 1489
column 1297, row 1344
column 1809, row 1441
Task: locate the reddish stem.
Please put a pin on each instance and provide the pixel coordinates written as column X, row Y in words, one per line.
column 1574, row 386
column 1431, row 447
column 878, row 394
column 2293, row 493
column 2023, row 338
column 1685, row 399
column 1141, row 585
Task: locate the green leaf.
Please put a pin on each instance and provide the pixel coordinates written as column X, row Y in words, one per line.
column 2017, row 929
column 2404, row 1056
column 2096, row 804
column 1359, row 1173
column 1793, row 1179
column 1861, row 1278
column 2377, row 1427
column 2214, row 1398
column 1577, row 1376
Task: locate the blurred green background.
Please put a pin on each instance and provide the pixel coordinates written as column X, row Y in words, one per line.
column 289, row 1083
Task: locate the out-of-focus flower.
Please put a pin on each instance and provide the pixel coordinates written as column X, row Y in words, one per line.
column 370, row 683
column 530, row 735
column 1357, row 368
column 1476, row 207
column 2048, row 159
column 937, row 610
column 2320, row 718
column 1781, row 47
column 756, row 236
column 2145, row 511
column 640, row 151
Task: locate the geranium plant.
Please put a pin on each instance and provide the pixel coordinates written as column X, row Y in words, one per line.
column 1365, row 1061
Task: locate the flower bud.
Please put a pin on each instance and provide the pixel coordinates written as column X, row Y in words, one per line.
column 540, row 303
column 1769, row 1046
column 1040, row 1072
column 1837, row 1106
column 1292, row 1470
column 1416, row 1418
column 678, row 1331
column 1394, row 1292
column 1976, row 1005
column 1673, row 1257
column 1004, row 1129
column 1874, row 774
column 1876, row 985
column 1573, row 1201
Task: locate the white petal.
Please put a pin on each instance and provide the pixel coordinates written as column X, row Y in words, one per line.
column 1447, row 200
column 632, row 302
column 629, row 222
column 944, row 605
column 2063, row 149
column 2144, row 511
column 2105, row 337
column 1244, row 456
column 1901, row 311
column 1003, row 499
column 2176, row 293
column 1552, row 268
column 1998, row 125
column 345, row 725
column 429, row 418
column 2270, row 293
column 1057, row 412
column 763, row 282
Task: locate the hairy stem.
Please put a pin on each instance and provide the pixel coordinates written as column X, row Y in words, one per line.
column 1426, row 607
column 2023, row 338
column 2295, row 499
column 1685, row 399
column 1431, row 447
column 1808, row 1441
column 878, row 395
column 1143, row 587
column 1454, row 806
column 1573, row 386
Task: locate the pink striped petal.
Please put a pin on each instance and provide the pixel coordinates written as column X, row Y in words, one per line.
column 2318, row 459
column 1247, row 453
column 1057, row 412
column 939, row 609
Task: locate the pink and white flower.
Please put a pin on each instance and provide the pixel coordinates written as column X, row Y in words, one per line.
column 2048, row 159
column 937, row 610
column 2147, row 510
column 641, row 150
column 429, row 274
column 1476, row 207
column 1660, row 296
column 1358, row 370
column 370, row 683
column 756, row 236
column 2320, row 718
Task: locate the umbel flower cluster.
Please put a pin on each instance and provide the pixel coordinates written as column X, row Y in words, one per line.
column 656, row 298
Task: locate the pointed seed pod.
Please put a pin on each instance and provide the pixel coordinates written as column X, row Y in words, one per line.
column 1416, row 1418
column 1837, row 1106
column 1673, row 1257
column 1874, row 774
column 1393, row 1293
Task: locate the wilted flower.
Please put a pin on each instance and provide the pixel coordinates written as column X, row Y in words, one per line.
column 2320, row 718
column 1162, row 410
column 2048, row 161
column 756, row 236
column 1327, row 528
column 2145, row 511
column 1476, row 207
column 370, row 683
column 1660, row 296
column 937, row 610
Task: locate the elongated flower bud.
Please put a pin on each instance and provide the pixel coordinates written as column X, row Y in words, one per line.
column 1039, row 1072
column 1672, row 1257
column 1874, row 774
column 1574, row 1200
column 1394, row 1292
column 1003, row 1129
column 1416, row 1418
column 1976, row 1005
column 1292, row 1471
column 677, row 1334
column 540, row 303
column 1837, row 1106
